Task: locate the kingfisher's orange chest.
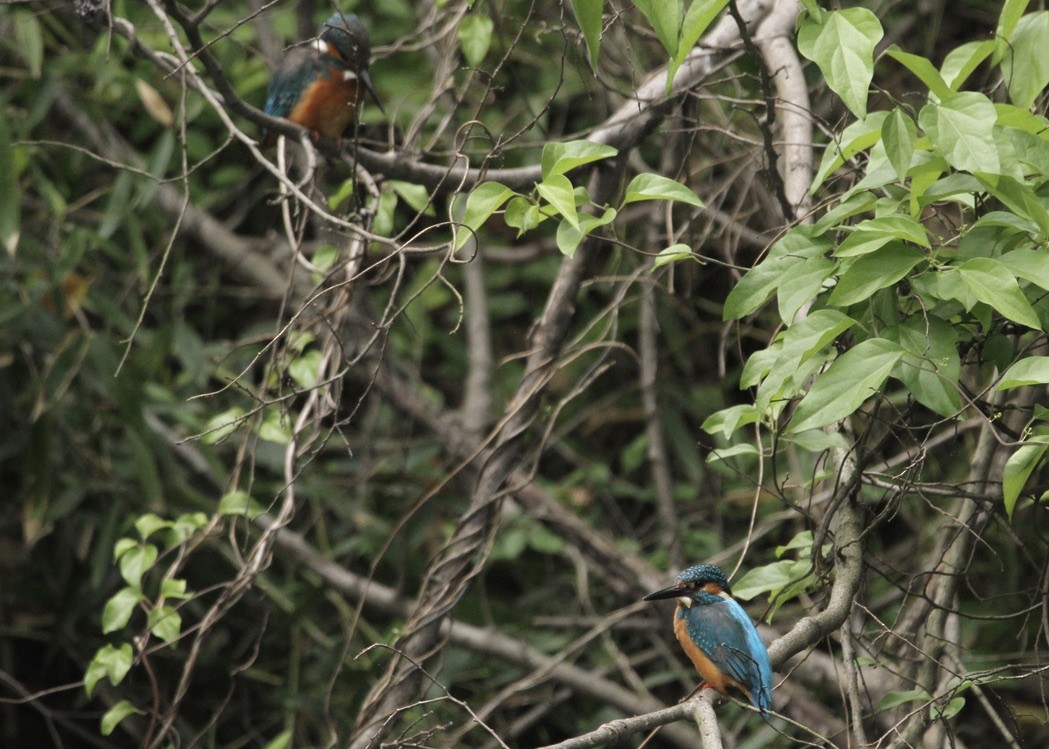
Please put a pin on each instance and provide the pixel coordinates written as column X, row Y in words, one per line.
column 329, row 104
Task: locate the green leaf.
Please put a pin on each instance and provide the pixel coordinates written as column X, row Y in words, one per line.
column 10, row 194
column 116, row 714
column 962, row 129
column 673, row 254
column 930, row 367
column 569, row 237
column 110, row 662
column 900, row 135
column 857, row 137
column 854, row 377
column 588, row 16
column 650, row 186
column 166, row 623
column 416, row 196
column 1019, row 198
column 728, row 420
column 874, row 271
column 1029, row 265
column 761, row 281
column 1034, row 370
column 993, row 284
column 698, row 17
column 949, row 710
column 560, row 158
column 221, row 425
column 1012, row 10
column 523, row 214
column 136, row 562
column 119, row 608
column 124, row 545
column 925, row 71
column 816, row 441
column 484, row 200
column 240, row 503
column 342, row 194
column 770, row 578
column 800, row 284
column 1017, row 470
column 962, row 61
column 665, row 17
column 559, row 193
column 842, row 44
column 150, row 523
column 174, row 587
column 897, row 698
column 721, row 454
column 889, row 227
column 29, row 41
column 1025, row 64
column 276, row 427
column 281, row 741
column 475, row 37
column 305, row 369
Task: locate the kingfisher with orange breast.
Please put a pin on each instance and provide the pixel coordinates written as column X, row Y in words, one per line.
column 321, row 85
column 718, row 636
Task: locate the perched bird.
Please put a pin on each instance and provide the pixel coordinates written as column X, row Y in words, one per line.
column 320, row 85
column 718, row 636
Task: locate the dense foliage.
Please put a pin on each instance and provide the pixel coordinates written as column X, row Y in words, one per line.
column 381, row 441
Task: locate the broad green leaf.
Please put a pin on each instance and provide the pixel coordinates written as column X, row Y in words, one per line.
column 343, row 193
column 416, row 196
column 588, row 16
column 728, row 420
column 673, row 254
column 484, row 200
column 650, row 186
column 800, row 284
column 569, row 237
column 119, row 608
column 1012, row 11
column 523, row 214
column 136, row 562
column 993, row 284
column 874, row 271
column 276, row 427
column 110, row 662
column 1025, row 64
column 1017, row 470
column 854, row 377
column 559, row 193
column 475, row 37
column 166, row 623
column 10, row 193
column 897, row 698
column 124, row 545
column 239, row 503
column 857, row 137
column 951, row 709
column 962, row 129
column 1030, row 265
column 853, row 205
column 1034, row 370
column 842, row 44
column 816, row 441
column 150, row 523
column 29, row 41
column 802, row 540
column 761, row 281
column 787, row 574
column 559, row 158
column 930, row 367
column 305, row 369
column 698, row 18
column 962, row 61
column 665, row 17
column 896, row 226
column 1019, row 198
column 221, row 425
column 899, row 134
column 115, row 714
column 925, row 71
column 722, row 454
column 809, row 336
column 174, row 587
column 281, row 741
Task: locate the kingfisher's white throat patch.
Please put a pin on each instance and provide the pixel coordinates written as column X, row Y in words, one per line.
column 686, row 602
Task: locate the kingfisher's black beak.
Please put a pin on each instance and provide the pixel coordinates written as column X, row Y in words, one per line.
column 367, row 80
column 673, row 591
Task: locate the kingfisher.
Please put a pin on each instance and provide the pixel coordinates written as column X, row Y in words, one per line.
column 718, row 636
column 320, row 85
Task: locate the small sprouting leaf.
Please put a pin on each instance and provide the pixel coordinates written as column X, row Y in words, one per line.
column 305, row 369
column 119, row 608
column 239, row 503
column 665, row 17
column 1017, row 470
column 116, row 714
column 475, row 37
column 124, row 545
column 221, row 425
column 588, row 16
column 874, row 271
column 993, row 284
column 135, row 562
column 673, row 254
column 900, row 135
column 523, row 214
column 1034, row 370
column 166, row 623
column 110, row 662
column 962, row 129
column 148, row 524
column 842, row 44
column 560, row 158
column 569, row 237
column 650, row 186
column 174, row 587
column 1025, row 65
column 559, row 193
column 854, row 377
column 484, row 200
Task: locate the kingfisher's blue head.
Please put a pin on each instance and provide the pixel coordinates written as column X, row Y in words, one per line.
column 707, row 578
column 346, row 34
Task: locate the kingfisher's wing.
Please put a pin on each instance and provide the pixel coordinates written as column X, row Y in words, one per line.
column 727, row 636
column 299, row 68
